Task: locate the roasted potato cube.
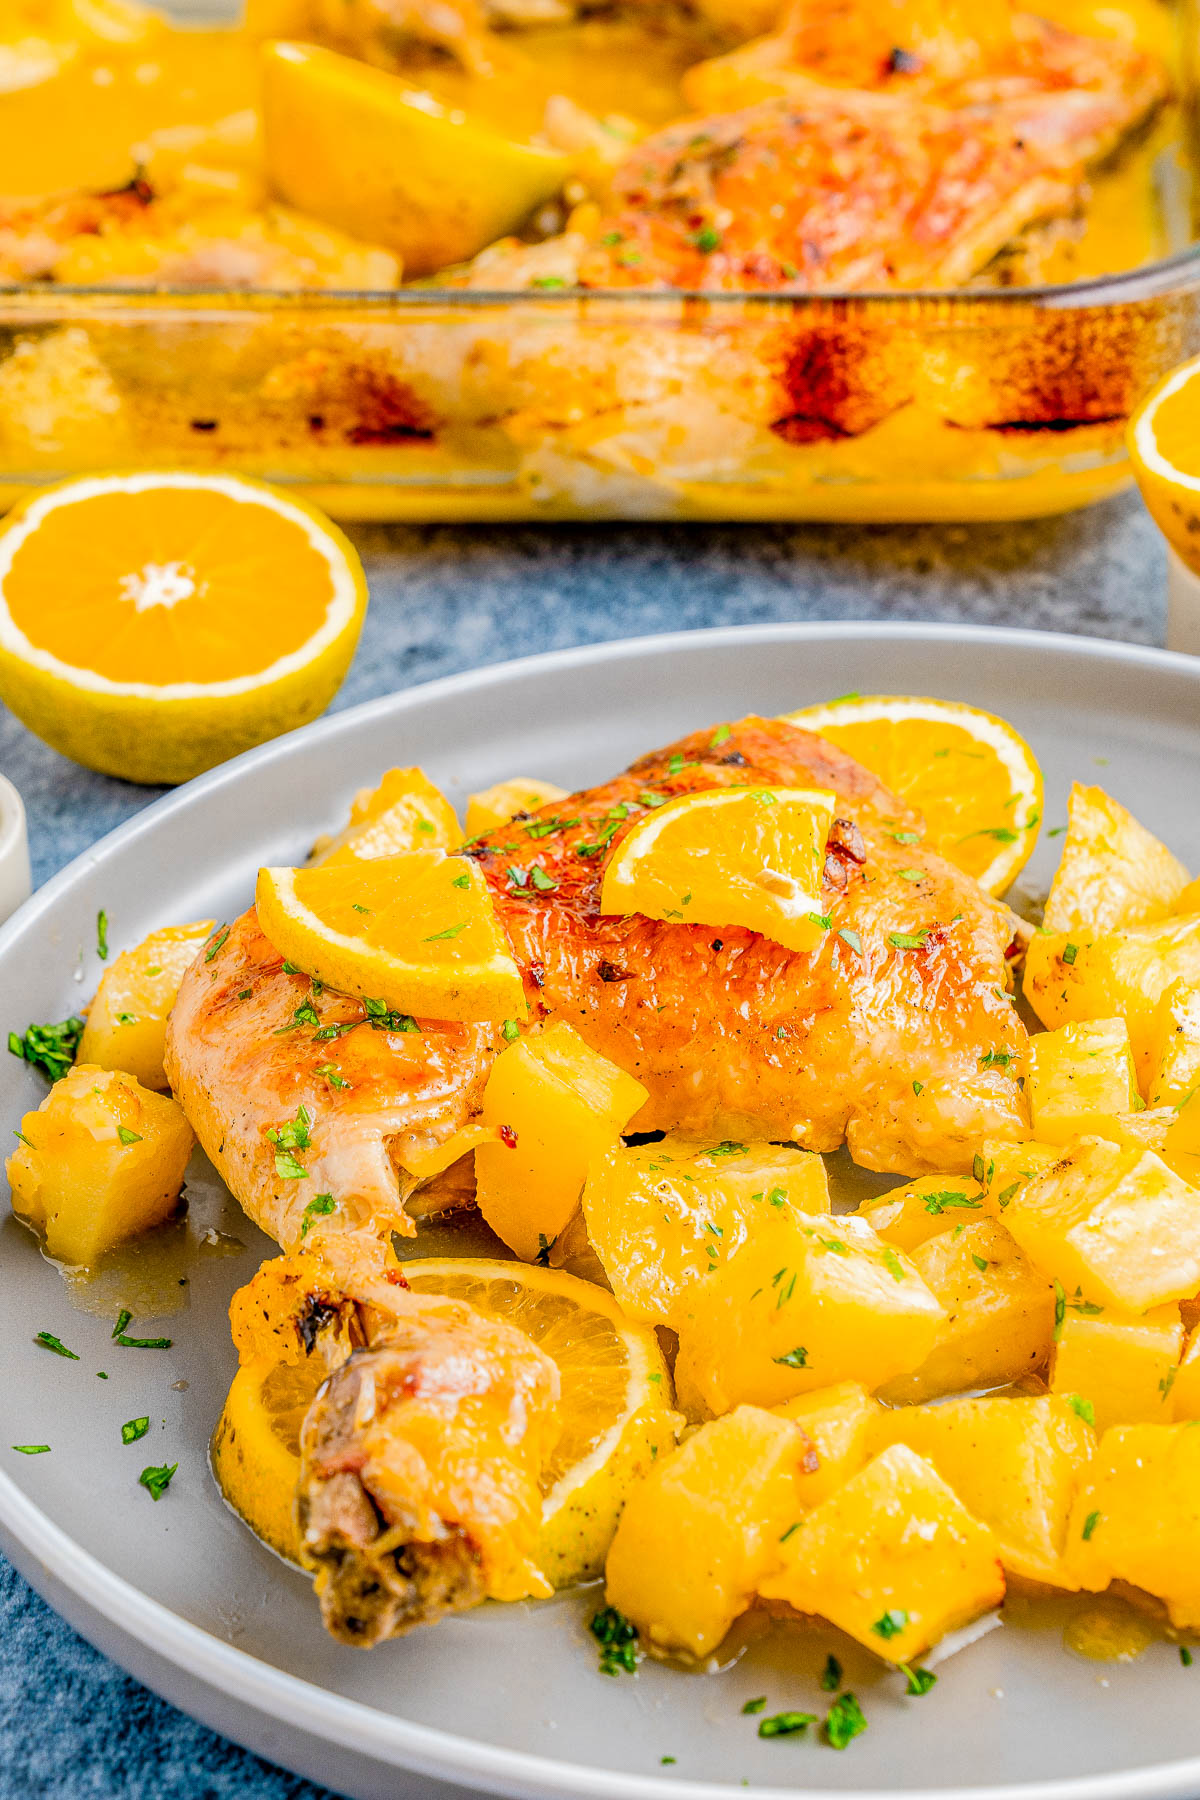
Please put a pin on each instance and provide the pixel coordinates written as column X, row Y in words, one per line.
column 1185, row 1388
column 1122, row 1366
column 1004, row 1168
column 1174, row 1048
column 1138, row 1518
column 807, row 1300
column 1182, row 1148
column 557, row 1107
column 101, row 1160
column 663, row 1216
column 495, row 806
column 999, row 1313
column 1189, row 900
column 894, row 1558
column 1015, row 1463
column 1115, row 1225
column 127, row 1021
column 702, row 1528
column 921, row 1209
column 1077, row 1075
column 405, row 812
column 1076, row 976
column 837, row 1421
column 1113, row 871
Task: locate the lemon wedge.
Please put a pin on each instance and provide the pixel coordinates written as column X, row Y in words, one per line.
column 415, row 931
column 728, row 856
column 974, row 778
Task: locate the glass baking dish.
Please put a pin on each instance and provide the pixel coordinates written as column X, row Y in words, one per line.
column 442, row 404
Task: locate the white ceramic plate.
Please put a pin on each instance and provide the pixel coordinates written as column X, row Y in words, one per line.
column 510, row 1699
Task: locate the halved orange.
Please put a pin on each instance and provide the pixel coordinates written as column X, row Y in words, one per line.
column 154, row 624
column 1164, row 447
column 728, row 856
column 973, row 778
column 415, row 931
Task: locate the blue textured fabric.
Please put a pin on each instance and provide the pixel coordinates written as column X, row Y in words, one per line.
column 72, row 1726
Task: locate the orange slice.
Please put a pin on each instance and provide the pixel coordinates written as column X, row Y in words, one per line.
column 1164, row 447
column 152, row 625
column 728, row 856
column 405, row 812
column 973, row 777
column 415, row 931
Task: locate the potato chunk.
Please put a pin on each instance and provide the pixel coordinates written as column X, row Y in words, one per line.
column 1015, row 1463
column 1121, row 1364
column 1115, row 1225
column 702, row 1528
column 1138, row 1519
column 999, row 1313
column 405, row 812
column 1174, row 1047
column 1113, row 871
column 1078, row 1075
column 1185, row 1388
column 1005, row 1168
column 127, row 1021
column 894, row 1558
column 664, row 1216
column 1189, row 900
column 1182, row 1148
column 837, row 1421
column 1076, row 976
column 806, row 1301
column 921, row 1209
column 495, row 806
column 101, row 1160
column 557, row 1107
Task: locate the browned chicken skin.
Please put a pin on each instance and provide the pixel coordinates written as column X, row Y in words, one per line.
column 730, row 1033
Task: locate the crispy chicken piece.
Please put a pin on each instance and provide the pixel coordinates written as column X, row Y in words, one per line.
column 421, row 1453
column 732, row 1035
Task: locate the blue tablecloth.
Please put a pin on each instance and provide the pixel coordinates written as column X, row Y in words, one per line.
column 72, row 1726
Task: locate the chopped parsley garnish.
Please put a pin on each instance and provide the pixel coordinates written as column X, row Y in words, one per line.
column 222, row 934
column 123, row 1318
column 545, row 1246
column 50, row 1048
column 451, row 931
column 679, row 763
column 364, row 910
column 649, row 798
column 997, row 1059
column 918, row 1088
column 1001, row 834
column 133, row 1429
column 726, row 1147
column 891, row 1624
column 31, row 1449
column 22, row 1139
column 102, row 935
column 510, row 1031
column 755, row 1706
column 707, row 240
column 132, row 1343
column 1070, row 952
column 48, row 1341
column 785, row 1724
column 917, row 1681
column 1060, row 1309
column 1084, row 1408
column 981, row 1262
column 156, row 1479
column 720, row 736
column 289, row 1138
column 128, row 1137
column 540, row 828
column 461, row 881
column 777, row 1197
column 831, row 1674
column 852, row 938
column 1185, row 1655
column 892, row 1264
column 795, row 1359
column 305, row 1014
column 785, row 1535
column 126, row 1018
column 380, row 1019
column 908, row 940
column 822, row 920
column 1089, row 1525
column 911, row 874
column 319, row 1207
column 906, row 837
column 617, row 1638
column 844, row 1722
column 545, row 884
column 332, row 1075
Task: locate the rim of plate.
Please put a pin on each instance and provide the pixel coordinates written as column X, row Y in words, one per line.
column 314, row 1710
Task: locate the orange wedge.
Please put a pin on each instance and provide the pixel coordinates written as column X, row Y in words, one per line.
column 405, row 812
column 152, row 625
column 975, row 780
column 1164, row 447
column 729, row 856
column 415, row 931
